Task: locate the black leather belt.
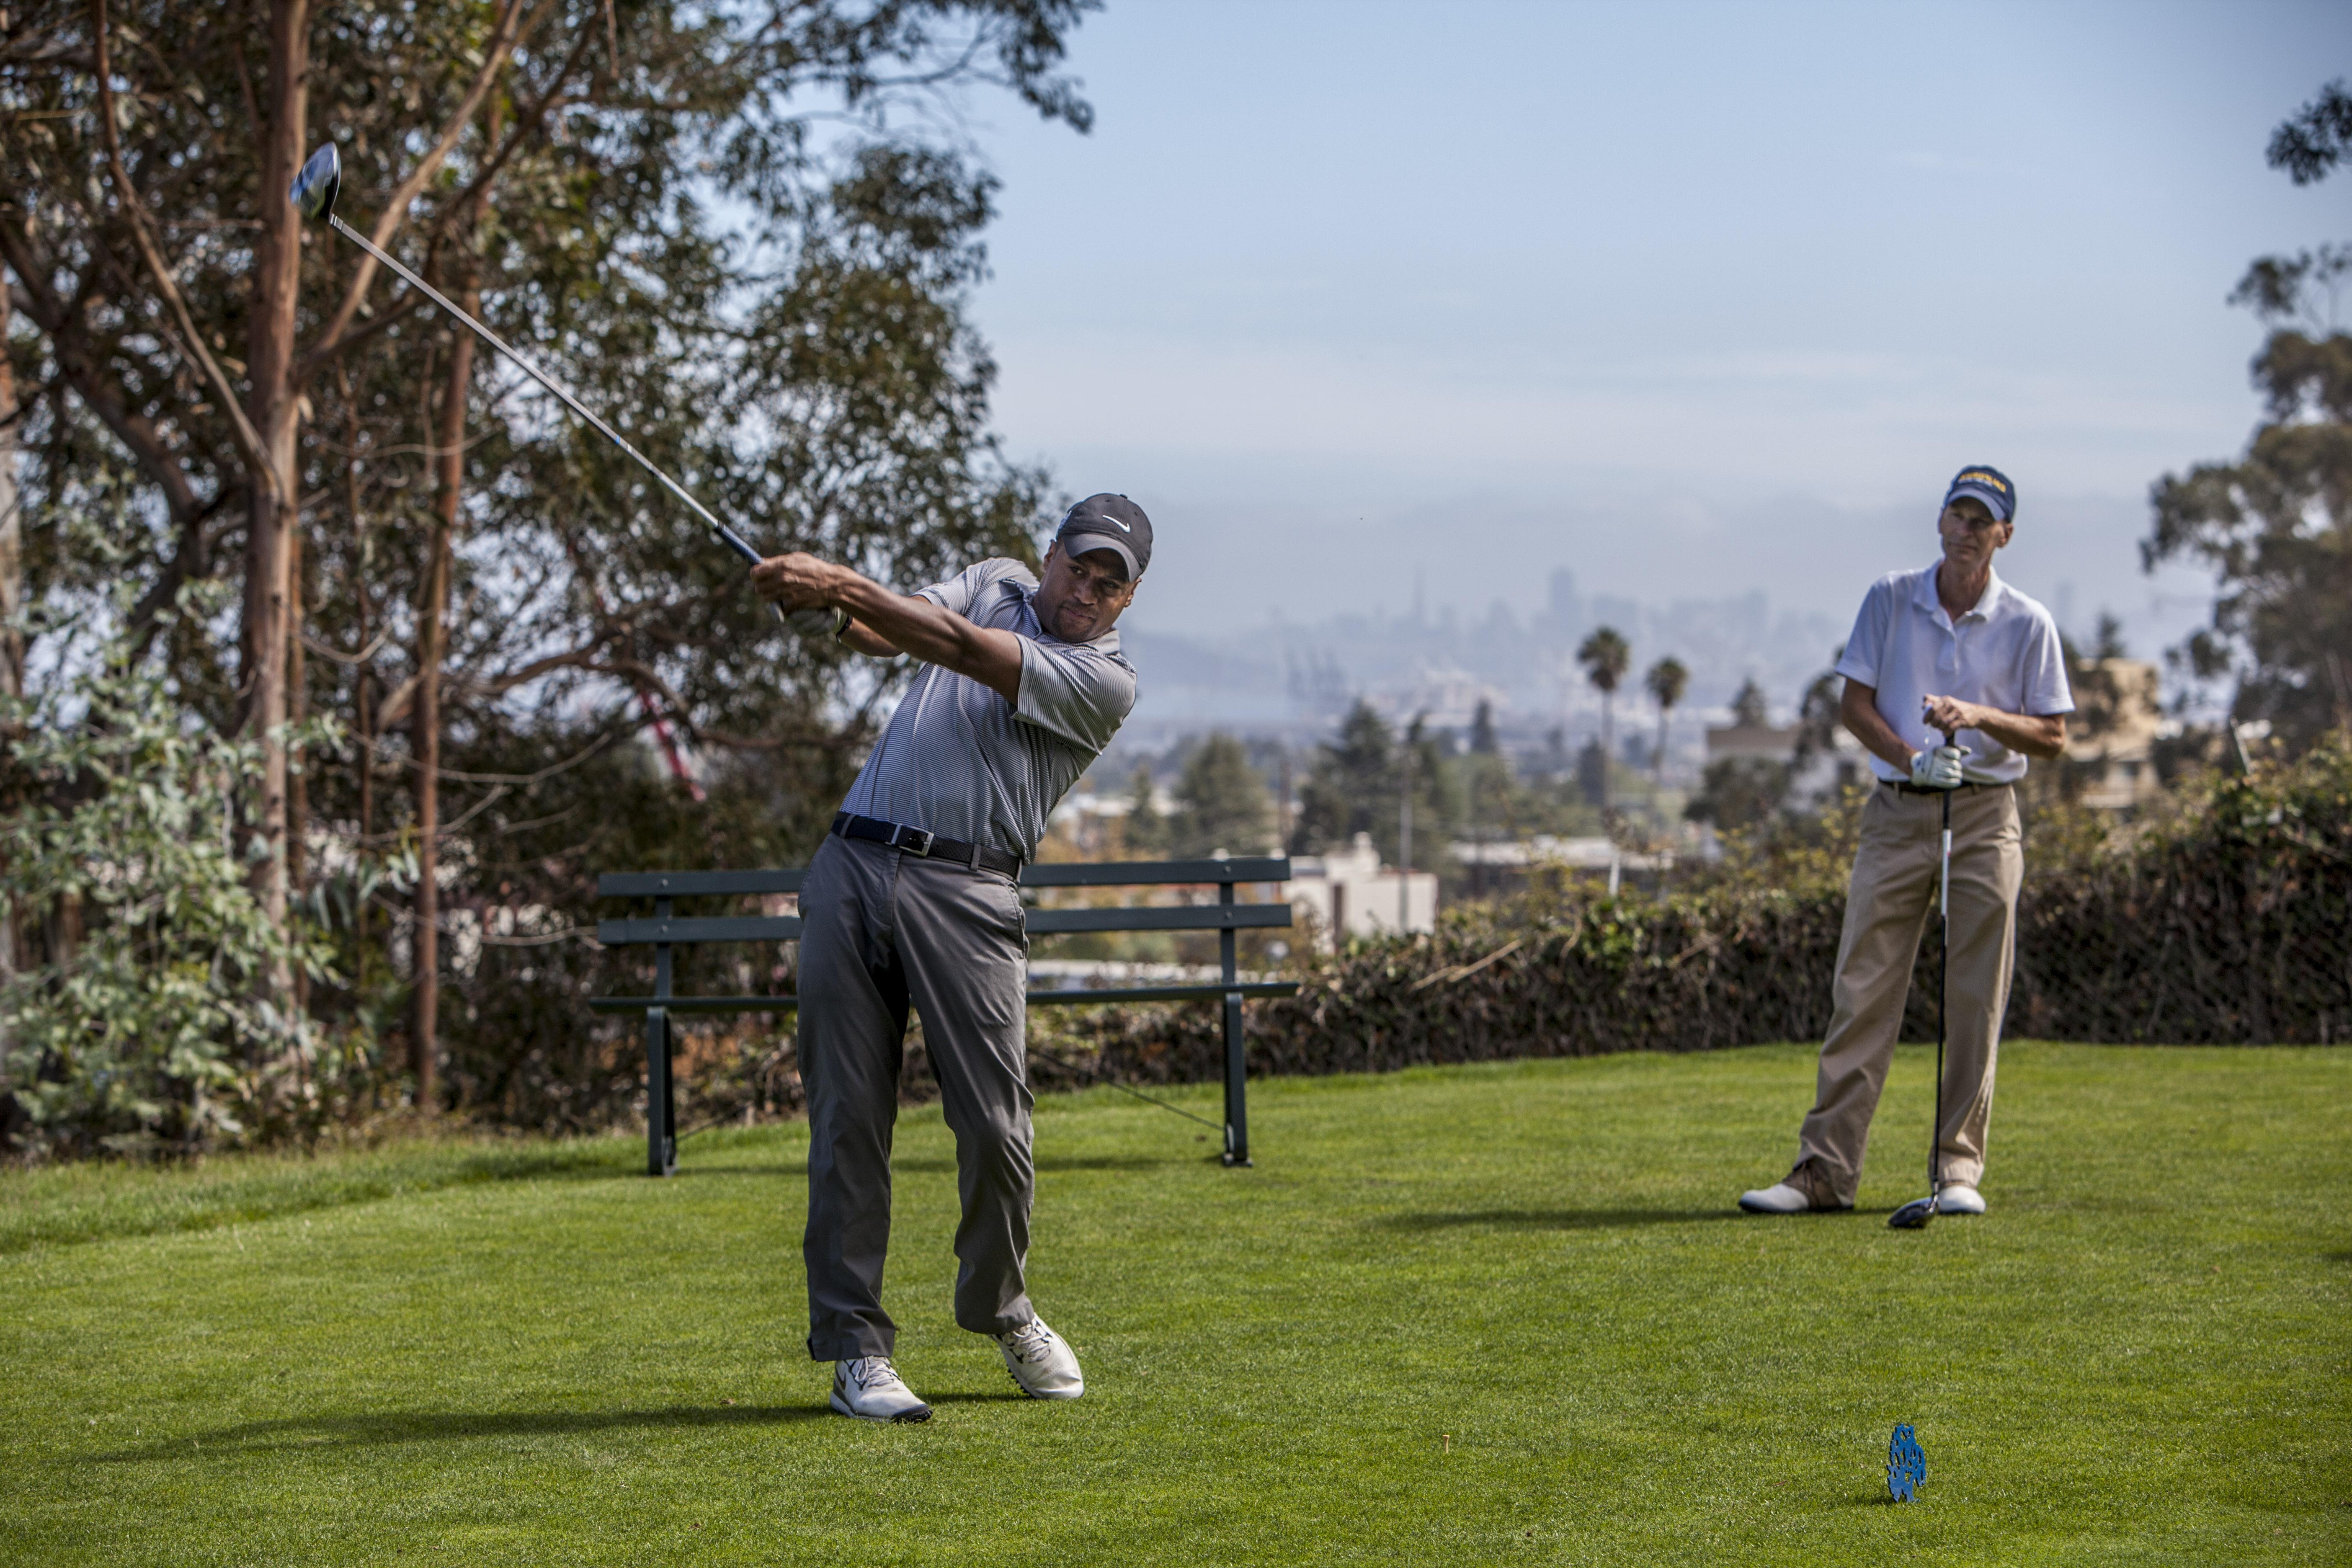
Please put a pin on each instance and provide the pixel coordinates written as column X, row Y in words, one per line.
column 927, row 845
column 1907, row 787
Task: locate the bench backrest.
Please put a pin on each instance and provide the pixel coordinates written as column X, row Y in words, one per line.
column 663, row 886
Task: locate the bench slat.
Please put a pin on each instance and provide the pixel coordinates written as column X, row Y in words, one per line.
column 736, row 928
column 1141, row 873
column 1089, row 874
column 692, row 884
column 1195, row 917
column 1171, row 992
column 695, row 1003
column 685, row 931
column 1079, row 996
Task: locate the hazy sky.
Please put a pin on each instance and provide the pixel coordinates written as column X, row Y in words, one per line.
column 1689, row 298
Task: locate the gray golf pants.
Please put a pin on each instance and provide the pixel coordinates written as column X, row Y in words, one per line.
column 881, row 930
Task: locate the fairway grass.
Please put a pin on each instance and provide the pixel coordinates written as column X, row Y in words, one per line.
column 1497, row 1314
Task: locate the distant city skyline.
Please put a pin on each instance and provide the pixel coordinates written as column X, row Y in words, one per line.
column 1691, row 299
column 1296, row 679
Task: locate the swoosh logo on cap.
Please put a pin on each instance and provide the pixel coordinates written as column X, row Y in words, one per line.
column 1114, row 523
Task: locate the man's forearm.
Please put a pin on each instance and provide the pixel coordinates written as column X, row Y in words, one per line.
column 900, row 622
column 882, row 622
column 1858, row 708
column 2042, row 738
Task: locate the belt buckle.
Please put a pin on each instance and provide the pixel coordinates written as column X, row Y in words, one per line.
column 913, row 840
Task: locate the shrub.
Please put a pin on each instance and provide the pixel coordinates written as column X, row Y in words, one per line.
column 2224, row 921
column 142, row 1034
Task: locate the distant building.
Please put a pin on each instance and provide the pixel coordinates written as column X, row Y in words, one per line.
column 1824, row 774
column 1087, row 822
column 1350, row 891
column 2115, row 729
column 1442, row 695
column 1509, row 861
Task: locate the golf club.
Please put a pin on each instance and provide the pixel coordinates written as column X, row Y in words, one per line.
column 1914, row 1214
column 313, row 195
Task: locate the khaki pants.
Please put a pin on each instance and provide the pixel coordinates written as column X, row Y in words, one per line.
column 1890, row 905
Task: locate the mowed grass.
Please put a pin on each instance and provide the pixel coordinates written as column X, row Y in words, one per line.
column 1484, row 1314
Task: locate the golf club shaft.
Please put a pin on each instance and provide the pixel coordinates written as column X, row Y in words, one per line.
column 1943, row 989
column 733, row 539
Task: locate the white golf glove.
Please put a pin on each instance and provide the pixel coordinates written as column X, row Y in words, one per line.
column 820, row 621
column 1939, row 769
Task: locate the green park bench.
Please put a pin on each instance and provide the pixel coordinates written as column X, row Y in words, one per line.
column 666, row 930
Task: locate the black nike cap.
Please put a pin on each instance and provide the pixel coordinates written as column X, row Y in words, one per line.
column 1110, row 522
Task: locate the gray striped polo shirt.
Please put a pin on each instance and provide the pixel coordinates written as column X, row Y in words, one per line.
column 961, row 761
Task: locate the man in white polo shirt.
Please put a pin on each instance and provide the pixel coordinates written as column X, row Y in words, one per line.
column 1951, row 648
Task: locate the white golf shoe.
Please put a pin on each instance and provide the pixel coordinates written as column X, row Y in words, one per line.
column 1804, row 1190
column 870, row 1389
column 1957, row 1199
column 1778, row 1198
column 1042, row 1361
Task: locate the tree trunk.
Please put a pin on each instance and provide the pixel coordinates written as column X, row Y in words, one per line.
column 298, row 709
column 362, row 603
column 274, row 407
column 12, row 586
column 450, row 468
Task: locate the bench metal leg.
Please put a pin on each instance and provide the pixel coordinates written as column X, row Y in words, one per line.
column 661, row 1104
column 1236, row 1067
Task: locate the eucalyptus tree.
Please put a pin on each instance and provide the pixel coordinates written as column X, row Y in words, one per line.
column 2275, row 526
column 747, row 233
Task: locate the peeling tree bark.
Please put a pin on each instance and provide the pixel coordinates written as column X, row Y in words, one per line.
column 12, row 586
column 274, row 407
column 449, row 468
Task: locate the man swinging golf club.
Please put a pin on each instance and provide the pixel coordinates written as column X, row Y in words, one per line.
column 914, row 898
column 1950, row 648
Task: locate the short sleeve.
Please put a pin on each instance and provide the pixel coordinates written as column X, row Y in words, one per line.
column 1073, row 690
column 960, row 592
column 2047, row 690
column 1866, row 645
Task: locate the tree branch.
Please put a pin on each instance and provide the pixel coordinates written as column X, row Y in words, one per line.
column 510, row 27
column 191, row 343
column 524, row 126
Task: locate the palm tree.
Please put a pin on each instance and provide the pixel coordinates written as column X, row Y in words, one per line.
column 1667, row 680
column 1605, row 655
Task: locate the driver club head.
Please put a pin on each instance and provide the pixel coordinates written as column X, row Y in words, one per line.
column 314, row 189
column 1912, row 1215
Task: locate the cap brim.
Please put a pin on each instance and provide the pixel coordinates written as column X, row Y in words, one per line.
column 1083, row 541
column 1995, row 502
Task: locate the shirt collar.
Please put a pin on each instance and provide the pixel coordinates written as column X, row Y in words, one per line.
column 1927, row 599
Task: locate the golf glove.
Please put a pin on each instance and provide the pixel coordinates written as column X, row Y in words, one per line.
column 1939, row 769
column 823, row 621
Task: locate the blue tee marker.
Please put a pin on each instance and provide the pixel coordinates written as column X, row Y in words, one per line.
column 1906, row 1466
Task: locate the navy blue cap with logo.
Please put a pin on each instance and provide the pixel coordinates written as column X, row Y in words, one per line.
column 1110, row 522
column 1989, row 485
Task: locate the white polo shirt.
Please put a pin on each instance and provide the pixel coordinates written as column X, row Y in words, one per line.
column 2003, row 653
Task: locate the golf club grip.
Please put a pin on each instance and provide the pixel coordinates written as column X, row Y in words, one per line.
column 733, row 540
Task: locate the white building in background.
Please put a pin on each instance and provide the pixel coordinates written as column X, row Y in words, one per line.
column 1824, row 773
column 1517, row 857
column 1442, row 695
column 2124, row 750
column 1351, row 891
